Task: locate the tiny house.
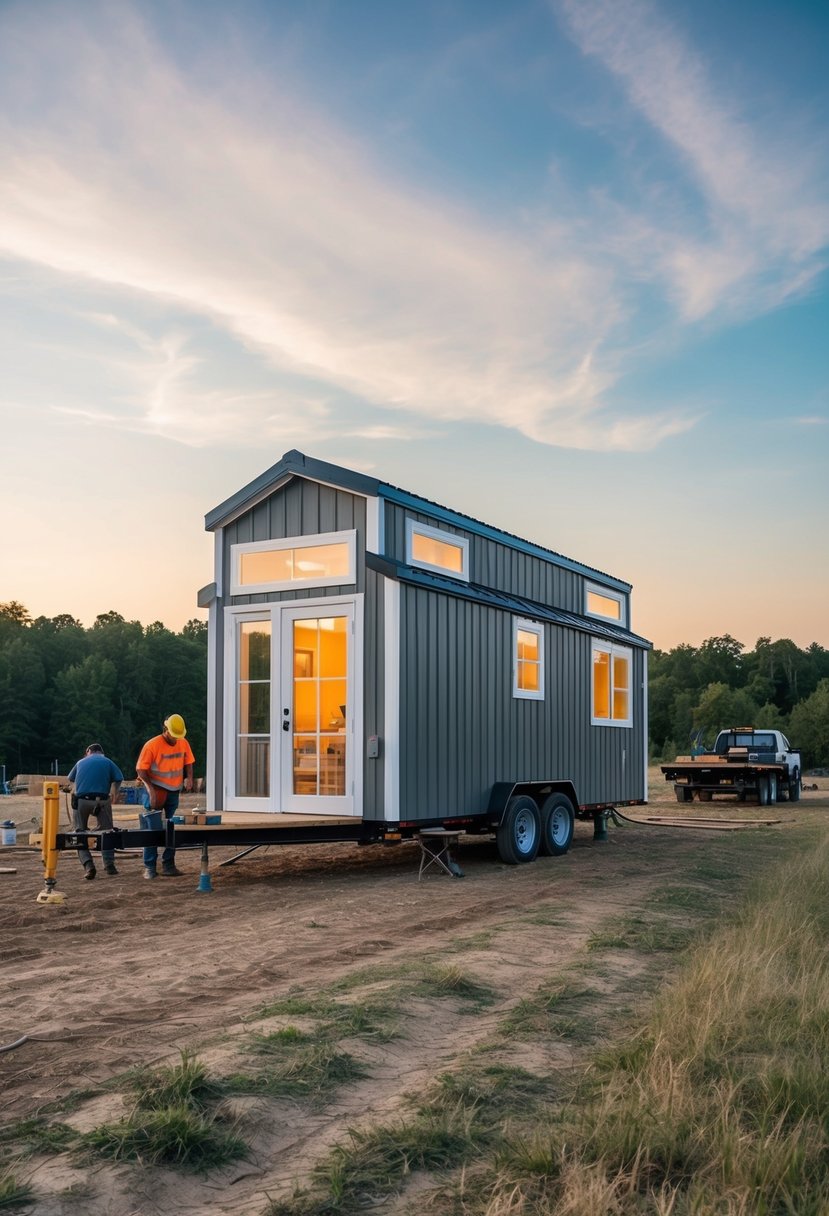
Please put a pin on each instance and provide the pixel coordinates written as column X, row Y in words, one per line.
column 376, row 658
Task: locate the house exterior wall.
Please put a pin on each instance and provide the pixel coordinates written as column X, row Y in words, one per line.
column 300, row 508
column 462, row 730
column 498, row 565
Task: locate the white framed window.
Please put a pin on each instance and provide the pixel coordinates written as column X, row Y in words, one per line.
column 612, row 668
column 433, row 549
column 604, row 603
column 527, row 659
column 328, row 559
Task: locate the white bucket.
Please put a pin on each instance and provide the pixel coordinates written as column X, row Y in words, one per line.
column 9, row 831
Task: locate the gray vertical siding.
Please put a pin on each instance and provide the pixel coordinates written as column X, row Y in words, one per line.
column 498, row 565
column 301, row 508
column 462, row 730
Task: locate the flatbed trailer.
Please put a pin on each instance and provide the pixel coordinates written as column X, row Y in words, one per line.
column 706, row 777
column 524, row 818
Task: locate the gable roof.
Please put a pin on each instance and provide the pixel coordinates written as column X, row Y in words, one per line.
column 297, row 464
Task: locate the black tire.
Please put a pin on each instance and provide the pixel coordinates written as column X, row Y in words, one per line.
column 683, row 794
column 772, row 788
column 519, row 836
column 705, row 795
column 794, row 787
column 558, row 819
column 763, row 792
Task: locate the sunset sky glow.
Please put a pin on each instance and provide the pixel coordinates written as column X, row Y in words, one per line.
column 561, row 266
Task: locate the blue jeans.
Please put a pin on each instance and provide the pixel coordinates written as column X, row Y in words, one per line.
column 170, row 807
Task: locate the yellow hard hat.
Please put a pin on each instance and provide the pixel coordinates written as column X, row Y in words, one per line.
column 174, row 725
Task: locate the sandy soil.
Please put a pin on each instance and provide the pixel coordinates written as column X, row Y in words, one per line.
column 127, row 973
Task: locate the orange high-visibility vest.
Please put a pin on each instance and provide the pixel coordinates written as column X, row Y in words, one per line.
column 165, row 761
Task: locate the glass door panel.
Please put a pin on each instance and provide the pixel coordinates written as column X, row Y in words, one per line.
column 253, row 724
column 316, row 711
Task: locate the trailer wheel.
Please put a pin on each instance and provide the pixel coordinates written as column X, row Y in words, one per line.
column 557, row 822
column 519, row 835
column 794, row 787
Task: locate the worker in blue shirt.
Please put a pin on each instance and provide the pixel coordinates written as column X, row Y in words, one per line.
column 97, row 782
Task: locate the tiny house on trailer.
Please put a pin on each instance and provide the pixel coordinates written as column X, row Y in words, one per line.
column 378, row 660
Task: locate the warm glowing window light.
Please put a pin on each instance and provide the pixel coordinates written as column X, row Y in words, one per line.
column 528, row 649
column 611, row 684
column 318, row 561
column 437, row 550
column 611, row 607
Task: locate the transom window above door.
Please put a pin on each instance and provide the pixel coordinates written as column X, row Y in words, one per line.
column 328, row 559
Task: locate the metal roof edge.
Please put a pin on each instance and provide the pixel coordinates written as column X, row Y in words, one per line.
column 404, row 498
column 292, row 464
column 502, row 599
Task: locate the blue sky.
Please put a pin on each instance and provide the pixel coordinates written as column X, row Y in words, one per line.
column 560, row 265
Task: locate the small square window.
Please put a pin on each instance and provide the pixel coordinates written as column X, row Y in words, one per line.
column 528, row 660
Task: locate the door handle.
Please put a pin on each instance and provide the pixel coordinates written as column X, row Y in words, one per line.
column 286, row 725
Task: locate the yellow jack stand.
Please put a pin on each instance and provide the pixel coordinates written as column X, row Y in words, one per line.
column 51, row 813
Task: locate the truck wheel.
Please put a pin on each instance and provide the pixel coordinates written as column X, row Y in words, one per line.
column 557, row 821
column 794, row 787
column 772, row 788
column 519, row 835
column 763, row 792
column 683, row 794
column 705, row 795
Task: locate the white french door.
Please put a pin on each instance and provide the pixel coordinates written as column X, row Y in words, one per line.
column 293, row 708
column 316, row 710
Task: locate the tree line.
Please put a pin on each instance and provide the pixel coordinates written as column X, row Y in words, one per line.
column 719, row 684
column 64, row 686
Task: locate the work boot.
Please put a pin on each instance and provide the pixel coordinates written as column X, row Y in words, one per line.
column 149, row 871
column 110, row 868
column 171, row 870
column 89, row 870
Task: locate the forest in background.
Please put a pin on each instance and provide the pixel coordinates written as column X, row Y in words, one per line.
column 63, row 686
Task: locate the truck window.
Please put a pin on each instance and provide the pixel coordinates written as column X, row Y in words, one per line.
column 765, row 743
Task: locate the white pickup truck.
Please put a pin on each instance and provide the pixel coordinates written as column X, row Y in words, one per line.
column 744, row 761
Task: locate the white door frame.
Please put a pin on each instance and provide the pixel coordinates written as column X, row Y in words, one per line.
column 275, row 613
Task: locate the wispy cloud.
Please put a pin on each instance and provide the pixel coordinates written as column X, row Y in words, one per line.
column 766, row 216
column 285, row 233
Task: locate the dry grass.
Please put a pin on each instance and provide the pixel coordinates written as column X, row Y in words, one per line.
column 718, row 1104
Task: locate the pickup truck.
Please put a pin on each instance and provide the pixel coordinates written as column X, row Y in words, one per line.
column 743, row 761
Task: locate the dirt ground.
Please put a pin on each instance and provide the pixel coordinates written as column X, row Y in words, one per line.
column 127, row 973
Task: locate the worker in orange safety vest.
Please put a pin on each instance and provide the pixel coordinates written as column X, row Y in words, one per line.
column 165, row 767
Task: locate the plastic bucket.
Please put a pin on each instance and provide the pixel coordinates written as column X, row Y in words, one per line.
column 9, row 832
column 151, row 821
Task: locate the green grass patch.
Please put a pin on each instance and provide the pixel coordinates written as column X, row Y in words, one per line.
column 38, row 1135
column 313, row 1072
column 648, row 936
column 170, row 1135
column 14, row 1193
column 172, row 1122
column 448, row 980
column 556, row 1008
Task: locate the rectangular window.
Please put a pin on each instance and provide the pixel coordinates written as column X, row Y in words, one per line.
column 607, row 604
column 326, row 560
column 432, row 549
column 527, row 660
column 612, row 667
